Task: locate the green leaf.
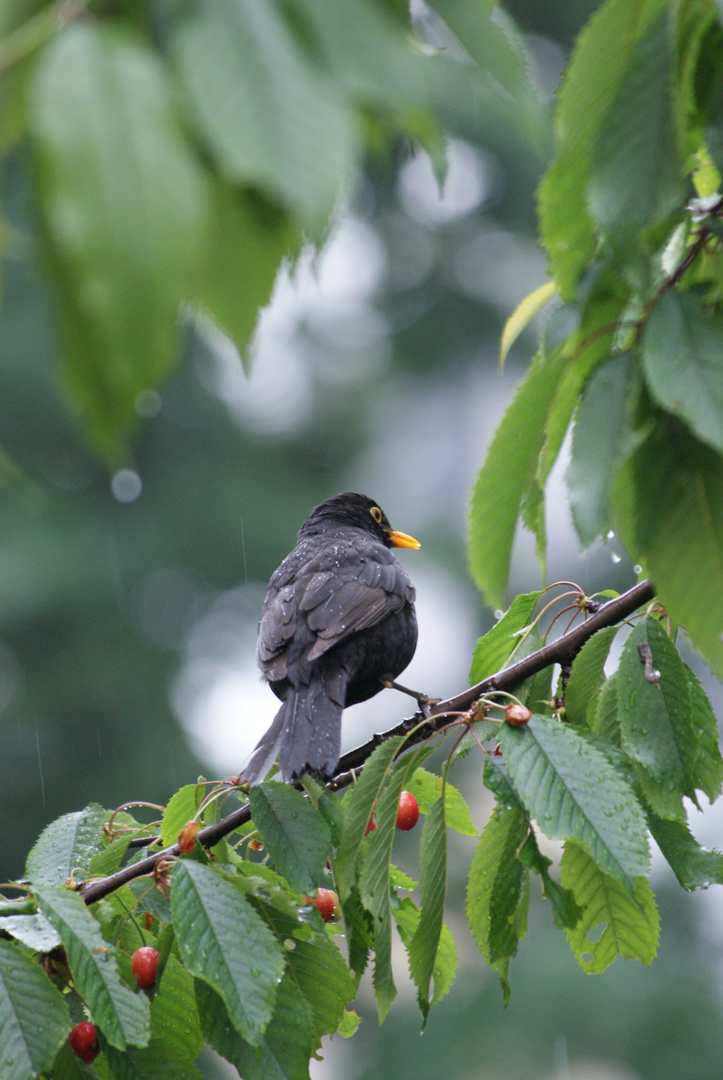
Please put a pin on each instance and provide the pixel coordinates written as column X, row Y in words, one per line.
column 596, row 70
column 433, row 887
column 498, row 890
column 248, row 243
column 358, row 806
column 600, row 439
column 694, row 866
column 587, row 676
column 407, row 917
column 269, row 118
column 565, row 912
column 180, row 809
column 319, row 971
column 604, row 721
column 630, row 923
column 157, row 1061
column 637, row 171
column 670, row 502
column 287, row 1044
column 499, row 646
column 33, row 930
column 427, row 788
column 123, row 1016
column 658, row 731
column 374, row 886
column 174, row 1014
column 67, row 844
column 703, row 755
column 506, row 476
column 683, row 364
column 571, row 790
column 497, row 779
column 296, row 835
column 34, row 1018
column 108, row 860
column 227, row 944
column 523, row 314
column 125, row 204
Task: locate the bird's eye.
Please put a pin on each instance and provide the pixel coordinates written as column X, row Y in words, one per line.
column 376, row 514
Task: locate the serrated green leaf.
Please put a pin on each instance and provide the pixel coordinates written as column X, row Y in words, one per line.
column 565, row 912
column 174, row 1014
column 523, row 314
column 180, row 809
column 587, row 675
column 358, row 806
column 108, row 860
column 657, row 728
column 157, row 1061
column 296, row 835
column 508, row 471
column 571, row 790
column 69, row 843
column 497, row 779
column 433, row 887
column 374, row 886
column 605, row 722
column 27, row 997
column 287, row 1044
column 670, row 516
column 224, row 942
column 631, row 923
column 427, row 788
column 694, row 866
column 318, row 970
column 269, row 118
column 499, row 646
column 123, row 1016
column 359, row 934
column 125, row 204
column 637, row 173
column 248, row 243
column 407, row 917
column 598, row 64
column 600, row 438
column 703, row 755
column 683, row 363
column 498, row 887
column 33, row 930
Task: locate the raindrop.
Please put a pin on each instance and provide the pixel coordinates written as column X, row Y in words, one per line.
column 126, row 485
column 148, row 404
column 611, row 535
column 614, row 557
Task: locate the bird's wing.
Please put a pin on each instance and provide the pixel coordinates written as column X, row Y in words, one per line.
column 360, row 590
column 277, row 627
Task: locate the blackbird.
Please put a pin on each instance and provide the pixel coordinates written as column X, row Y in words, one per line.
column 337, row 622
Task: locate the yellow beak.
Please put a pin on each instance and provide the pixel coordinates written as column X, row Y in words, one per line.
column 401, row 540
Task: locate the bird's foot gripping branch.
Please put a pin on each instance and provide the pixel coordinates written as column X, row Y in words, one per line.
column 237, row 913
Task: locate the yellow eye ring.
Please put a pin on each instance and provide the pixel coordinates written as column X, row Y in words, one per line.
column 376, row 514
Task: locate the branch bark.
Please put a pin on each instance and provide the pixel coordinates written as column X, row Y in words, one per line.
column 560, row 651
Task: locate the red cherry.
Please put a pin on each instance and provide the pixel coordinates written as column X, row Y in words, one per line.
column 327, row 903
column 144, row 964
column 187, row 837
column 83, row 1041
column 408, row 812
column 517, row 715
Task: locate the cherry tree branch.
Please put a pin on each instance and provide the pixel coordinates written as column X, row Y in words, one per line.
column 560, row 651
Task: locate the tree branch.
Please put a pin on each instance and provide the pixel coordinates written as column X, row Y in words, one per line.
column 560, row 651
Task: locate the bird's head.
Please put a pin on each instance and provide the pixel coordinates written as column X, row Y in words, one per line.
column 359, row 511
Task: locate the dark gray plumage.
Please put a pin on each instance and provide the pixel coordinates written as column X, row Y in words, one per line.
column 338, row 618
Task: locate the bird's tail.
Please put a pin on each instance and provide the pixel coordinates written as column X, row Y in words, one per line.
column 305, row 734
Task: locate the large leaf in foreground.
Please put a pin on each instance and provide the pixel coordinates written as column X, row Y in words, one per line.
column 572, row 790
column 433, row 887
column 28, row 1046
column 123, row 1016
column 630, row 923
column 225, row 942
column 294, row 832
column 66, row 844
